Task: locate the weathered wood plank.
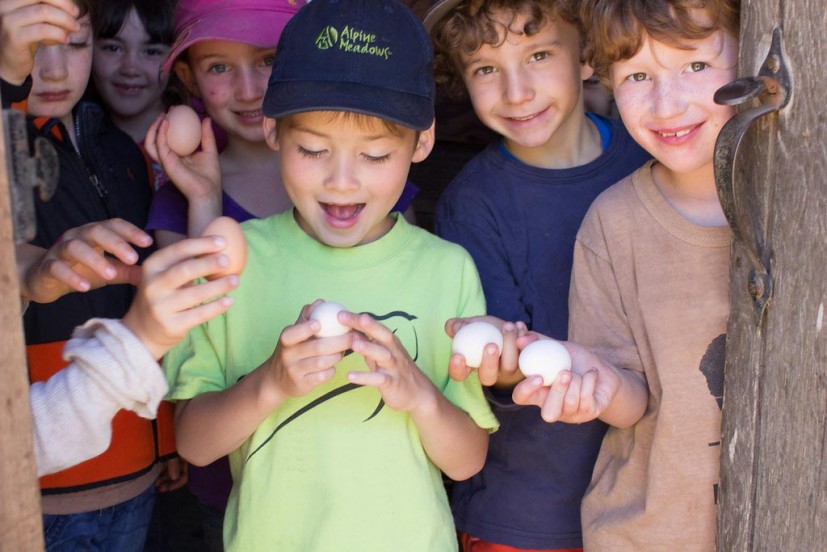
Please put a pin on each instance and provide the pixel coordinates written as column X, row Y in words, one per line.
column 20, row 521
column 774, row 458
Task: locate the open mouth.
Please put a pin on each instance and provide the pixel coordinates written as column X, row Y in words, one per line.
column 342, row 216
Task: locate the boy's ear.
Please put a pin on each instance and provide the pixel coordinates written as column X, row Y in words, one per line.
column 270, row 134
column 586, row 71
column 425, row 144
column 184, row 73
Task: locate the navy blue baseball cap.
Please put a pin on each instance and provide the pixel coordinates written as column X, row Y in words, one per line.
column 367, row 56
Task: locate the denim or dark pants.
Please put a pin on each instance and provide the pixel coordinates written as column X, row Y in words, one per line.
column 121, row 527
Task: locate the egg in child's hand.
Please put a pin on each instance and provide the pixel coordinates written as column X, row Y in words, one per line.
column 546, row 358
column 327, row 315
column 184, row 131
column 236, row 248
column 471, row 339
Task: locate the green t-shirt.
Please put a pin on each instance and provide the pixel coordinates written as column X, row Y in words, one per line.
column 336, row 469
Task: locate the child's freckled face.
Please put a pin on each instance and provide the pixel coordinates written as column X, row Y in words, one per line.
column 230, row 78
column 60, row 75
column 665, row 98
column 344, row 176
column 527, row 88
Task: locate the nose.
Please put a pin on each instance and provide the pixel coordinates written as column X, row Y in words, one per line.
column 250, row 84
column 129, row 63
column 341, row 176
column 517, row 87
column 50, row 63
column 668, row 97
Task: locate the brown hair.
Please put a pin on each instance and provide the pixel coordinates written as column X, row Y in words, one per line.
column 85, row 7
column 615, row 28
column 362, row 120
column 471, row 24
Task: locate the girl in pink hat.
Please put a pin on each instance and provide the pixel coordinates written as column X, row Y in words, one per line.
column 221, row 58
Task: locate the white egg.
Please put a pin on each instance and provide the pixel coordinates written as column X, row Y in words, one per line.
column 546, row 358
column 326, row 313
column 471, row 339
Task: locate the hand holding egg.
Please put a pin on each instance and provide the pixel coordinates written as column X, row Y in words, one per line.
column 546, row 358
column 184, row 131
column 471, row 339
column 236, row 248
column 327, row 315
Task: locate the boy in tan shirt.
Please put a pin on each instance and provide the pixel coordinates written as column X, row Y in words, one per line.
column 650, row 282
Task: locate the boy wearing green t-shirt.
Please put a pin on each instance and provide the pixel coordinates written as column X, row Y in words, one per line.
column 339, row 442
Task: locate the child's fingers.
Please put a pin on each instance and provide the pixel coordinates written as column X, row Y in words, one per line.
column 375, row 331
column 63, row 273
column 457, row 369
column 510, row 353
column 126, row 274
column 30, row 13
column 372, row 350
column 150, row 142
column 588, row 405
column 489, row 368
column 188, row 319
column 76, row 253
column 452, row 326
column 373, row 378
column 164, row 259
column 552, row 408
column 208, row 144
column 179, row 298
column 571, row 400
column 530, row 391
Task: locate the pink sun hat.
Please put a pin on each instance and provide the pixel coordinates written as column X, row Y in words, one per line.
column 256, row 22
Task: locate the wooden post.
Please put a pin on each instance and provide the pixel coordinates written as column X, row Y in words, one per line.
column 774, row 453
column 20, row 520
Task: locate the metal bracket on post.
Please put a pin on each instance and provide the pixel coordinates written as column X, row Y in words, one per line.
column 770, row 92
column 27, row 172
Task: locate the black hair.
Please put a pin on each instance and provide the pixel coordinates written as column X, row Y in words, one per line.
column 156, row 16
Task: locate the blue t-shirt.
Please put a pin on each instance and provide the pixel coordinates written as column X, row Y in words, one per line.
column 519, row 224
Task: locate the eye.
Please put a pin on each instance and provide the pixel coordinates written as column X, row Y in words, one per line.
column 487, row 70
column 696, row 66
column 540, row 56
column 376, row 158
column 110, row 48
column 155, row 52
column 637, row 77
column 218, row 68
column 310, row 154
column 268, row 61
column 78, row 44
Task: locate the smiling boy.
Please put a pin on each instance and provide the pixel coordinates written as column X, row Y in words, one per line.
column 650, row 284
column 340, row 442
column 516, row 208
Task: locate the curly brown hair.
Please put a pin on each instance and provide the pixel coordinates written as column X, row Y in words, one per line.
column 471, row 24
column 615, row 28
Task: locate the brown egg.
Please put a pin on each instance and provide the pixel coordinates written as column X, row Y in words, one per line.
column 184, row 132
column 236, row 249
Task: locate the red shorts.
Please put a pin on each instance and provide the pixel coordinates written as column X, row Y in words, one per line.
column 473, row 544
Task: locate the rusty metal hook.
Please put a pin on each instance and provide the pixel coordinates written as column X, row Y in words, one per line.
column 771, row 90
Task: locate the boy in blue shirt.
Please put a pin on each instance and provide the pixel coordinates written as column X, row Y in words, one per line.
column 339, row 442
column 516, row 208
